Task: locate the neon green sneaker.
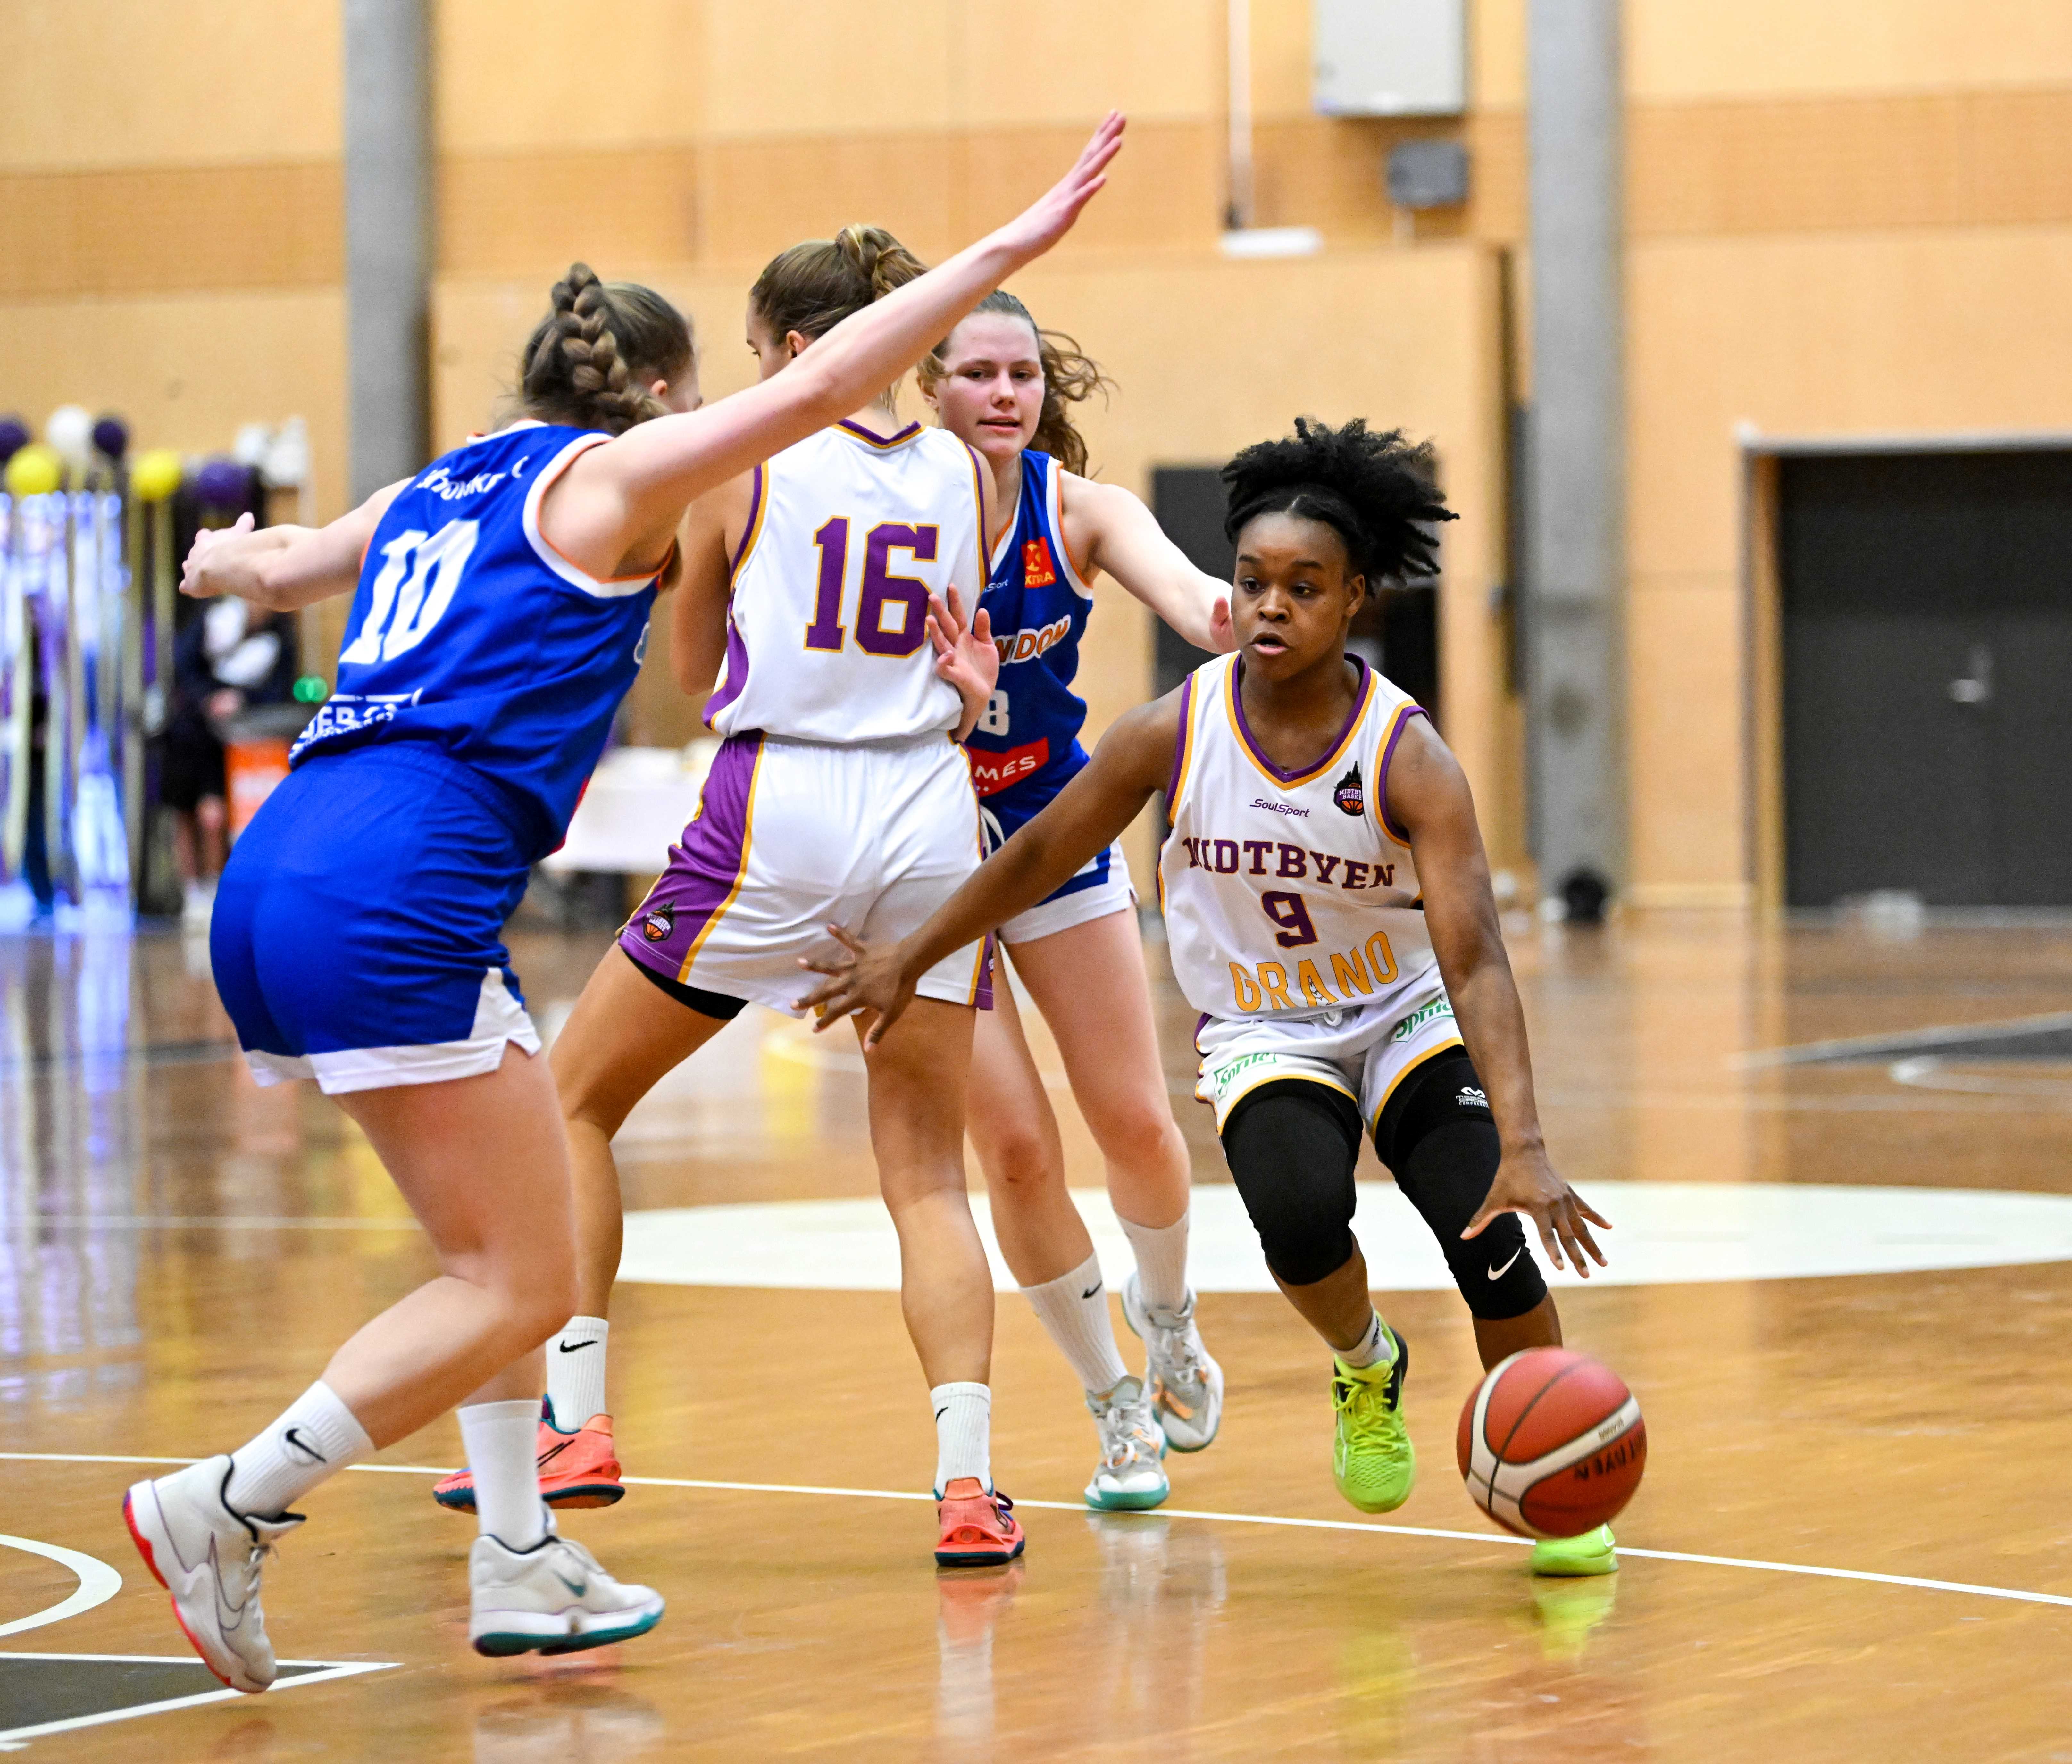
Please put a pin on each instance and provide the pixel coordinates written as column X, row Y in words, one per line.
column 1592, row 1553
column 1373, row 1459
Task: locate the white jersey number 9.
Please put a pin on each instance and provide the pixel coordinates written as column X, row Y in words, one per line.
column 418, row 580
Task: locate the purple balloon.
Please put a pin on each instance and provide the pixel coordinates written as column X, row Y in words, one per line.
column 223, row 483
column 111, row 436
column 13, row 436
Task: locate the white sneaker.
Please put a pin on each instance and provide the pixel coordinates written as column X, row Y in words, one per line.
column 209, row 1558
column 1186, row 1384
column 553, row 1598
column 1129, row 1476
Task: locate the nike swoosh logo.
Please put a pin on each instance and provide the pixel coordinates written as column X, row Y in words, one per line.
column 294, row 1437
column 571, row 1347
column 1498, row 1273
column 942, row 1412
column 579, row 1588
column 1090, row 1292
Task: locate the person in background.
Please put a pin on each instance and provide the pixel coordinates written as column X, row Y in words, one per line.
column 230, row 656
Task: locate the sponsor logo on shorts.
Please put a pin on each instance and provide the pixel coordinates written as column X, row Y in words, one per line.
column 1348, row 794
column 1419, row 1018
column 1223, row 1076
column 656, row 925
column 993, row 773
column 1471, row 1098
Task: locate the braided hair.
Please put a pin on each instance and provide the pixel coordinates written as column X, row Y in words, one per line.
column 1069, row 378
column 589, row 362
column 1377, row 491
column 814, row 285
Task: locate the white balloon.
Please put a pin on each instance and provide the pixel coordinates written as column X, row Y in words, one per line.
column 70, row 434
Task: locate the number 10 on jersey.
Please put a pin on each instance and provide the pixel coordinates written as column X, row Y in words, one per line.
column 881, row 590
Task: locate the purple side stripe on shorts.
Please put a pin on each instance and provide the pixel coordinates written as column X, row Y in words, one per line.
column 706, row 866
column 982, row 993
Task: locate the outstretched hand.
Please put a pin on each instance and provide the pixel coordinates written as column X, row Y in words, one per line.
column 964, row 654
column 1526, row 1183
column 209, row 543
column 864, row 978
column 1047, row 221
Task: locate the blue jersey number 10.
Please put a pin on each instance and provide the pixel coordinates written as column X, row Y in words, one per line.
column 411, row 593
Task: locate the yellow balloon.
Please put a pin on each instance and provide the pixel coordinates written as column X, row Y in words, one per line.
column 35, row 471
column 156, row 475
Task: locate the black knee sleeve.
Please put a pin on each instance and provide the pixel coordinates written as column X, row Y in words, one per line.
column 1439, row 1140
column 1292, row 1145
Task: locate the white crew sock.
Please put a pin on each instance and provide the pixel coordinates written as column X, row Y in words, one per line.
column 501, row 1442
column 1376, row 1347
column 963, row 1433
column 1074, row 1311
column 575, row 1371
column 313, row 1437
column 1161, row 1262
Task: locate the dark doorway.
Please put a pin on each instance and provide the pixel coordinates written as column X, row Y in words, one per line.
column 1927, row 676
column 1397, row 630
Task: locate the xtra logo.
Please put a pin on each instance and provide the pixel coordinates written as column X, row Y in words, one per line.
column 1037, row 569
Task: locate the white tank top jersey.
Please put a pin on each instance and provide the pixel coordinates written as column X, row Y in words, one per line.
column 1287, row 894
column 847, row 533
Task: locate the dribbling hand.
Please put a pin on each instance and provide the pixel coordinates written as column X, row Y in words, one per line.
column 865, row 978
column 1526, row 1183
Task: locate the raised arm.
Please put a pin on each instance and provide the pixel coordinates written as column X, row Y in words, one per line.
column 616, row 504
column 1115, row 532
column 283, row 567
column 1429, row 798
column 1133, row 761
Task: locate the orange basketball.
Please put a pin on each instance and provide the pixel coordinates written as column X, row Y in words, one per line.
column 1552, row 1443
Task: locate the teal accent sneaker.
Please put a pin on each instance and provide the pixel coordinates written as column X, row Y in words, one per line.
column 1129, row 1477
column 1592, row 1553
column 1372, row 1460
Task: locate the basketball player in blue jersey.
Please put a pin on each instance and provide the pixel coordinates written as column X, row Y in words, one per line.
column 500, row 599
column 839, row 794
column 1004, row 386
column 1328, row 904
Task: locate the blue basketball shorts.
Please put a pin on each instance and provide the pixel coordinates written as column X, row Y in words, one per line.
column 357, row 937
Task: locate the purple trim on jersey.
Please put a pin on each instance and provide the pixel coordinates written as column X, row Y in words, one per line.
column 748, row 528
column 706, row 865
column 1180, row 746
column 877, row 440
column 1381, row 772
column 734, row 672
column 1337, row 741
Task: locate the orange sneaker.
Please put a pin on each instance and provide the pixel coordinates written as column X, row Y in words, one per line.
column 979, row 1530
column 576, row 1470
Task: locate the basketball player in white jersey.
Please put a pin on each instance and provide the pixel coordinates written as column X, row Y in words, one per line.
column 840, row 794
column 1329, row 911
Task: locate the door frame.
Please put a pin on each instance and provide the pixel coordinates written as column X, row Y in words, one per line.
column 1762, row 612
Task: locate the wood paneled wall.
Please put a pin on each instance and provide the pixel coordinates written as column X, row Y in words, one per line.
column 1853, row 214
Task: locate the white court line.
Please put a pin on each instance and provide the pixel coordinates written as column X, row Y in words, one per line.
column 1906, row 1041
column 98, row 1583
column 12, row 1738
column 1815, row 1572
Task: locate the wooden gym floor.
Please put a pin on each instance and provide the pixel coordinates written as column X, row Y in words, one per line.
column 180, row 1250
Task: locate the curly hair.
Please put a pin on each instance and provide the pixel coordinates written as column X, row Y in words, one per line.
column 813, row 286
column 589, row 361
column 1069, row 378
column 1377, row 491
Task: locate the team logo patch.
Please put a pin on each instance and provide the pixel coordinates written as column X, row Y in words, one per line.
column 1037, row 569
column 656, row 926
column 1348, row 796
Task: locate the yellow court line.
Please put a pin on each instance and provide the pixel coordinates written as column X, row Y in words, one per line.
column 1812, row 1570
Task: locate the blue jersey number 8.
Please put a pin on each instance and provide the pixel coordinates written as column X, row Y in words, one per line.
column 416, row 585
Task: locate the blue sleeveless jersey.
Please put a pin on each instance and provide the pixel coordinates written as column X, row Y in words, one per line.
column 1026, row 745
column 470, row 632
